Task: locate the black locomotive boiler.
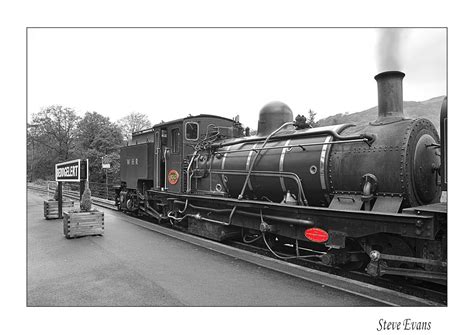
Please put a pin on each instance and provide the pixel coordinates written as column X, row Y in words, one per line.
column 354, row 196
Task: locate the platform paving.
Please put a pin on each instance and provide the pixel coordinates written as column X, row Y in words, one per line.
column 133, row 266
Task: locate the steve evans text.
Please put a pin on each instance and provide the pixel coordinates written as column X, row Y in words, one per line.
column 406, row 324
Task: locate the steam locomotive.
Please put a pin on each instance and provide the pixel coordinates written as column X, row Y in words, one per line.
column 365, row 196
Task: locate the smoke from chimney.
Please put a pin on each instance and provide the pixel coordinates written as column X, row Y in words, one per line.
column 389, row 51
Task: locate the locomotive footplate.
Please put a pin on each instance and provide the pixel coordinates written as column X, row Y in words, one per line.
column 440, row 210
column 292, row 220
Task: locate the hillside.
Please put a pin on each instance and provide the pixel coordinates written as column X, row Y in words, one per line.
column 429, row 109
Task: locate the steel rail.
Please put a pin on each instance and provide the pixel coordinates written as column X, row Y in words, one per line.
column 436, row 296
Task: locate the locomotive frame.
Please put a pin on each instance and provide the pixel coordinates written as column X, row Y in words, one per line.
column 204, row 176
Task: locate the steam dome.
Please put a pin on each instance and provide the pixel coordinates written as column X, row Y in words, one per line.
column 272, row 116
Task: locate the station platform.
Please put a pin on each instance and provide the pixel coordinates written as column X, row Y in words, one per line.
column 132, row 266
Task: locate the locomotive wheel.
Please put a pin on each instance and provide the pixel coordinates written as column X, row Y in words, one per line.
column 354, row 246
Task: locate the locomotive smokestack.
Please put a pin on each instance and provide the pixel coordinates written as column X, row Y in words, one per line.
column 390, row 96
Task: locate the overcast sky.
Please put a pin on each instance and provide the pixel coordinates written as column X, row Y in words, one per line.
column 171, row 73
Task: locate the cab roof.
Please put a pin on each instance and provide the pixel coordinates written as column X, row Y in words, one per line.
column 191, row 117
column 149, row 130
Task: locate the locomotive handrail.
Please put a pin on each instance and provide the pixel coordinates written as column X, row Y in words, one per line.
column 369, row 137
column 165, row 154
column 188, row 174
column 294, row 146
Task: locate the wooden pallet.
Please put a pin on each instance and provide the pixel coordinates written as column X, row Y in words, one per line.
column 76, row 224
column 51, row 208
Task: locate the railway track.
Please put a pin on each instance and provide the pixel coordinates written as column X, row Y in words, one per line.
column 430, row 291
column 427, row 294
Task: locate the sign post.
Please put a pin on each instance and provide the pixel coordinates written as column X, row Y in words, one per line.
column 105, row 166
column 60, row 199
column 71, row 171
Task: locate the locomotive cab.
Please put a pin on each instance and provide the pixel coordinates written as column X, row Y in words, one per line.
column 158, row 158
column 176, row 142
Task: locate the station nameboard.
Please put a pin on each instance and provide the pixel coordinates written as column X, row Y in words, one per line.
column 75, row 170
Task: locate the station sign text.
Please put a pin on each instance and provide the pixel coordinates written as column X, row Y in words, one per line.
column 70, row 171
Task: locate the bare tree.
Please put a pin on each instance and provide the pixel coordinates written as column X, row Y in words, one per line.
column 132, row 123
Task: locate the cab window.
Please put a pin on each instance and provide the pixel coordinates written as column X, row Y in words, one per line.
column 175, row 139
column 157, row 138
column 192, row 131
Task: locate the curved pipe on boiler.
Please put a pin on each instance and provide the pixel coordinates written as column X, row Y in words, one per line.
column 241, row 195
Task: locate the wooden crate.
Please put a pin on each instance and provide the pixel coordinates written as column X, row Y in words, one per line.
column 51, row 208
column 77, row 224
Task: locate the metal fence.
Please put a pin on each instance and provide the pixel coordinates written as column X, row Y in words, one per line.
column 99, row 190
